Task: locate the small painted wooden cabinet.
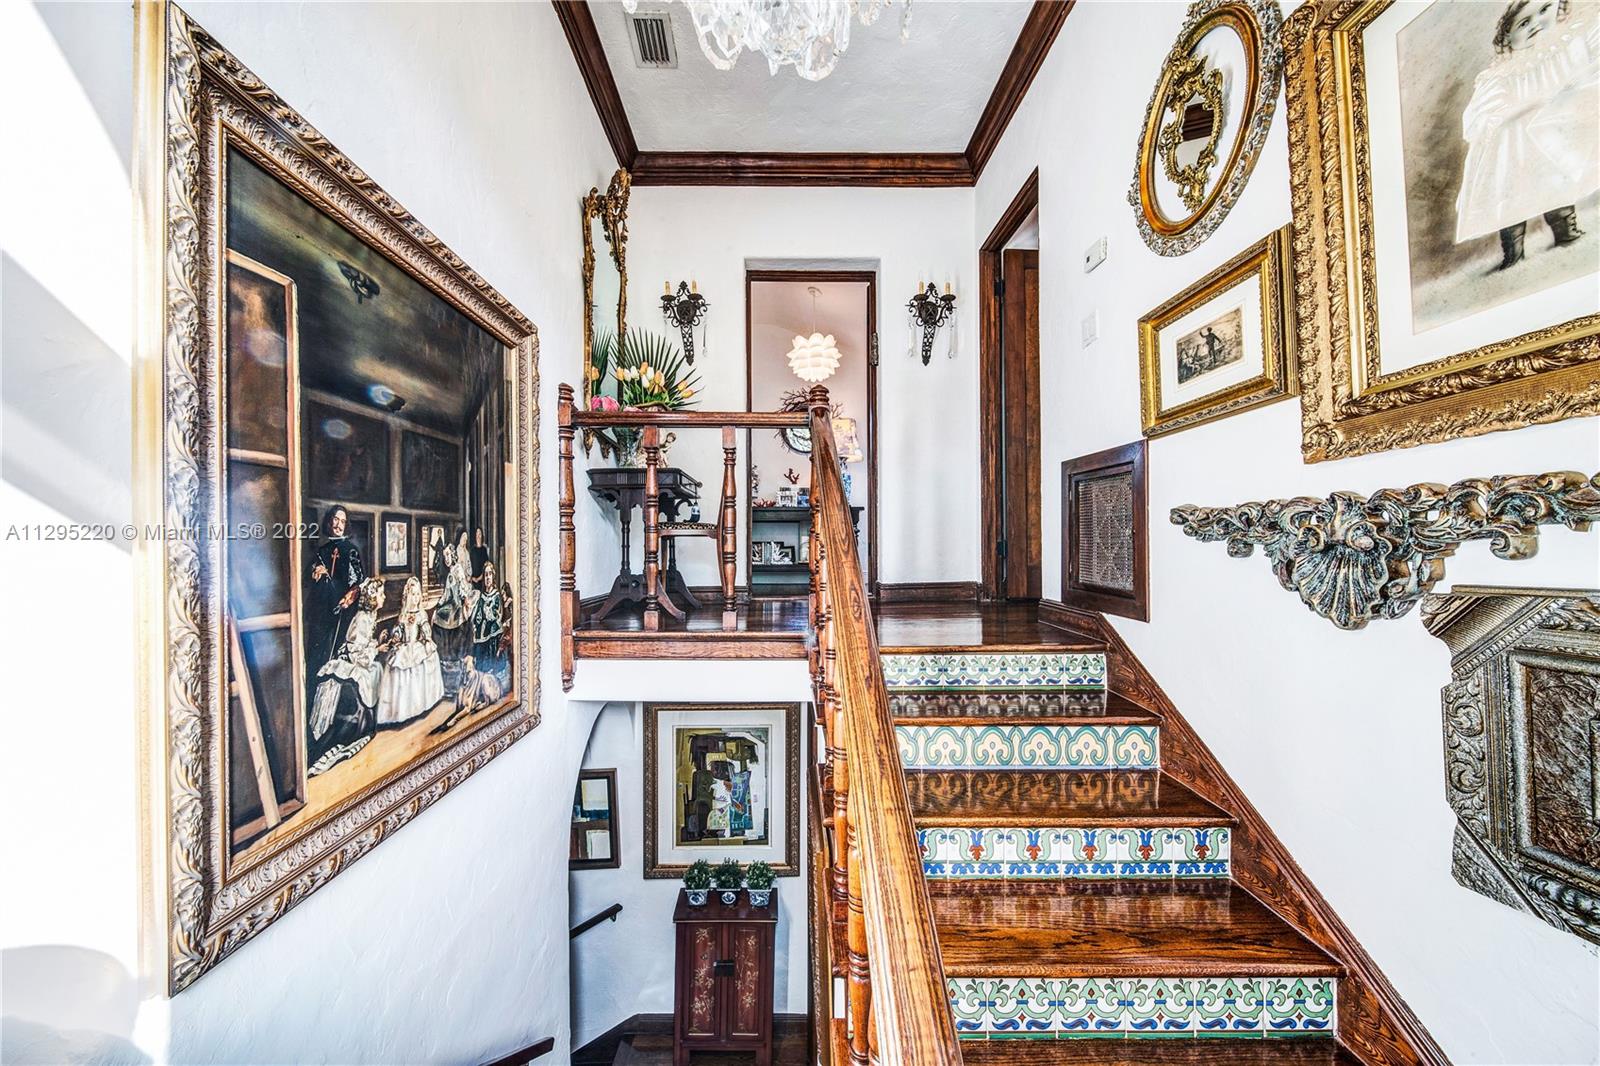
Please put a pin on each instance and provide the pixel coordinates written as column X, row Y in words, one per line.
column 724, row 977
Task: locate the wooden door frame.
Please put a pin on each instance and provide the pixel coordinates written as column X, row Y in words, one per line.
column 991, row 418
column 822, row 275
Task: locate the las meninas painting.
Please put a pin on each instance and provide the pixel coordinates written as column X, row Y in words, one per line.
column 1500, row 123
column 336, row 360
column 339, row 429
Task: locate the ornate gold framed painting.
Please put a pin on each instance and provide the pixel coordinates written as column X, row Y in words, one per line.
column 313, row 358
column 721, row 780
column 1206, row 121
column 605, row 284
column 1222, row 345
column 1444, row 163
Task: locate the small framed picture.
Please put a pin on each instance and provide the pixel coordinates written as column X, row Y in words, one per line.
column 1222, row 345
column 395, row 544
column 431, row 542
column 758, row 552
column 782, row 553
column 594, row 822
column 721, row 780
column 787, row 495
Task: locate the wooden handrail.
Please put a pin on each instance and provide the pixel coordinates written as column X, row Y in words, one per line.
column 609, row 914
column 701, row 419
column 898, row 1000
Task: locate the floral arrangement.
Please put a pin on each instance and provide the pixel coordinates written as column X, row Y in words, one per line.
column 698, row 875
column 759, row 875
column 650, row 372
column 728, row 874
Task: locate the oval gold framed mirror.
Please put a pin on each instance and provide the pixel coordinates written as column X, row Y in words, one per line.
column 1206, row 121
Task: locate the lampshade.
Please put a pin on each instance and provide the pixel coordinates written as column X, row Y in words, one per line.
column 814, row 358
column 849, row 444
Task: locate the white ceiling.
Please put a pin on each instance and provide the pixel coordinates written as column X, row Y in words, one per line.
column 924, row 95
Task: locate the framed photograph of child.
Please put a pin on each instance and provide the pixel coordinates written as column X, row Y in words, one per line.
column 1445, row 183
column 397, row 547
column 1221, row 345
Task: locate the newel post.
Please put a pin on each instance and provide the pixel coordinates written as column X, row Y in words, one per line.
column 568, row 535
column 652, row 527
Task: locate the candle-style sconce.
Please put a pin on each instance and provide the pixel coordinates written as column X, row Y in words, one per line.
column 686, row 310
column 929, row 310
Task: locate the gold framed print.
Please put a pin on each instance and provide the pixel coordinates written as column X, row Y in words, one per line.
column 1222, row 345
column 1444, row 163
column 301, row 700
column 721, row 780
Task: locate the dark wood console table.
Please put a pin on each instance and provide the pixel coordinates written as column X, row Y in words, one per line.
column 623, row 487
column 724, row 978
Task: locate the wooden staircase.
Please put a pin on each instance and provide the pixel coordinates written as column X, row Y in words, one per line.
column 1082, row 898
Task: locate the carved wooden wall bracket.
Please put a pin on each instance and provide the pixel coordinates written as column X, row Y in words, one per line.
column 1522, row 747
column 1352, row 559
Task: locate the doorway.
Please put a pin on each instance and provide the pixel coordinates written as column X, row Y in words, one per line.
column 780, row 305
column 1008, row 401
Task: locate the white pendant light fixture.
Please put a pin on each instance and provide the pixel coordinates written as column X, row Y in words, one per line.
column 816, row 357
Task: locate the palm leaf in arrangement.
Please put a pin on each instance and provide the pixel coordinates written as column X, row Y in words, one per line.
column 674, row 384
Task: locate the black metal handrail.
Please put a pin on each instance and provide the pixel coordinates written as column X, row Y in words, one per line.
column 607, row 915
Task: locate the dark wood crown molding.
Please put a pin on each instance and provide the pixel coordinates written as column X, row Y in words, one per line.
column 800, row 168
column 1027, row 56
column 578, row 22
column 920, row 169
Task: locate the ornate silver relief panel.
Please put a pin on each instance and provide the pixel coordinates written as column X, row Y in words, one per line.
column 1522, row 747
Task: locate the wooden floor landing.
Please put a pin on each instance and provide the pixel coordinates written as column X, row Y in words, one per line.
column 779, row 628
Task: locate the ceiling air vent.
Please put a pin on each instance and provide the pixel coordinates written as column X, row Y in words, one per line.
column 651, row 37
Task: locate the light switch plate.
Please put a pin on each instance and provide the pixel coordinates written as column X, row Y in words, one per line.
column 1095, row 255
column 1091, row 327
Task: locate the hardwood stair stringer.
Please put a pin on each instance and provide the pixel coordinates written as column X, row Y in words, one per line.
column 1375, row 1022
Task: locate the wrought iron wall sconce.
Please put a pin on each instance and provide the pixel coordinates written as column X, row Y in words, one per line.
column 929, row 310
column 685, row 310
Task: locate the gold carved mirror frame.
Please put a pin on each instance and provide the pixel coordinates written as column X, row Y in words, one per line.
column 610, row 209
column 1207, row 189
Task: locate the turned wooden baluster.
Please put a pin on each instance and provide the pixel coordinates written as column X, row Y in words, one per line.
column 859, row 979
column 652, row 528
column 568, row 536
column 729, row 532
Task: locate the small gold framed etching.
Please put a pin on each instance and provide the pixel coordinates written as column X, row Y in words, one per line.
column 1446, row 244
column 1206, row 121
column 1222, row 345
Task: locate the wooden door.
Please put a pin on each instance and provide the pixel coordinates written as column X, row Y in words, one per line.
column 698, row 983
column 747, row 1007
column 1020, row 548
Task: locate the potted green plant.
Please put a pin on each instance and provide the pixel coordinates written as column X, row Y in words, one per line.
column 729, row 878
column 697, row 882
column 758, row 879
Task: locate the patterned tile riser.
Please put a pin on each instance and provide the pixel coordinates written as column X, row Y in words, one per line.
column 1075, row 853
column 1029, row 747
column 994, row 670
column 1087, row 1007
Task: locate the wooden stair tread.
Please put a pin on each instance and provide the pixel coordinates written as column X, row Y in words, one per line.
column 1199, row 1051
column 1115, row 929
column 985, row 707
column 1052, row 798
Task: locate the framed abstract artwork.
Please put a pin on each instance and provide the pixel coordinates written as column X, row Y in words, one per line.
column 1105, row 554
column 1444, row 163
column 596, row 842
column 1222, row 345
column 721, row 781
column 300, row 701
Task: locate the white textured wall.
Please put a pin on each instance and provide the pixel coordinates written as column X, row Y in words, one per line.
column 1335, row 736
column 448, row 942
column 928, row 526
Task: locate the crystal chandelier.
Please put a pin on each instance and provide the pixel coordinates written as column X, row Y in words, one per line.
column 816, row 357
column 809, row 35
